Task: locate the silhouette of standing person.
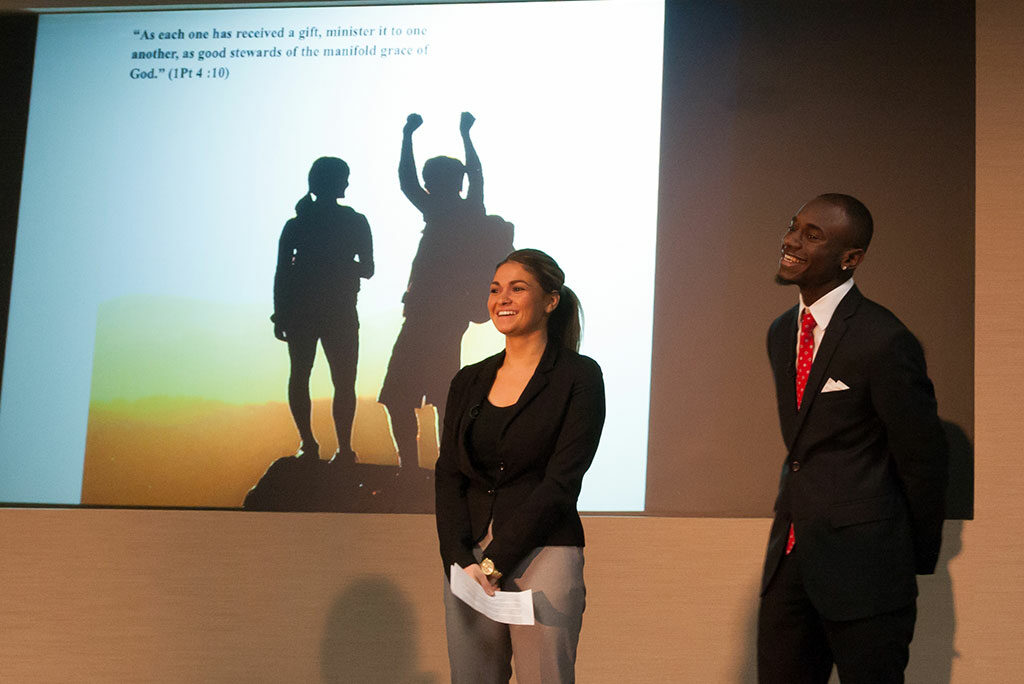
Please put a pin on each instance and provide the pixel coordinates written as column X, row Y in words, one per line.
column 453, row 262
column 322, row 254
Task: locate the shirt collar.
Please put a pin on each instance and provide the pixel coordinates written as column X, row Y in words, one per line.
column 825, row 306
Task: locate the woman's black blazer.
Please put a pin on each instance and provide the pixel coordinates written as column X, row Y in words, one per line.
column 544, row 449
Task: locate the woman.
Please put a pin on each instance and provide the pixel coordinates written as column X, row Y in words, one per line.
column 322, row 254
column 520, row 431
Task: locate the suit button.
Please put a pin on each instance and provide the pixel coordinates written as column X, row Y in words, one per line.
column 794, row 466
column 490, row 492
column 501, row 466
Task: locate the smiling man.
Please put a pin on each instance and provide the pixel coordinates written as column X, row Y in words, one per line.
column 861, row 496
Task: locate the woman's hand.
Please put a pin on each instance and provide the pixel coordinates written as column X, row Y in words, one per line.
column 480, row 578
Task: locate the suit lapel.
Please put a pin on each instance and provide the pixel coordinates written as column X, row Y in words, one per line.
column 538, row 382
column 481, row 387
column 787, row 351
column 476, row 395
column 783, row 353
column 837, row 327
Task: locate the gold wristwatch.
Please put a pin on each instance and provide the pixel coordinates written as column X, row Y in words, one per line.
column 487, row 565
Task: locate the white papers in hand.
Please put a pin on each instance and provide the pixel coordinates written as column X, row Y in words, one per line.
column 509, row 607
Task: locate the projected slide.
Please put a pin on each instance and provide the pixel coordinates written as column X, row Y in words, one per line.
column 185, row 175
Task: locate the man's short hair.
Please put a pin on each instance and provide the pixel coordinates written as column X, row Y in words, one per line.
column 860, row 218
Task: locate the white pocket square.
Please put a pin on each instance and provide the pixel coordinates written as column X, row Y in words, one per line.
column 834, row 386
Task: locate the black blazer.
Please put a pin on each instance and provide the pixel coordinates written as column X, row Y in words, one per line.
column 865, row 475
column 544, row 449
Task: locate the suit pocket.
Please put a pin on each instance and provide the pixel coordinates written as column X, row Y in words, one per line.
column 861, row 511
column 841, row 396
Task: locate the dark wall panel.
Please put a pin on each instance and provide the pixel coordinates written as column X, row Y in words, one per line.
column 767, row 105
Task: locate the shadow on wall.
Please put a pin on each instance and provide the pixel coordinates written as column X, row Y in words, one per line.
column 361, row 643
column 933, row 650
column 748, row 665
column 960, row 495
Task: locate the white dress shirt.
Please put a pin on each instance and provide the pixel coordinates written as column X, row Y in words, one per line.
column 822, row 311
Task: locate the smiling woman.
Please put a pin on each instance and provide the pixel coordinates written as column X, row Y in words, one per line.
column 519, row 306
column 521, row 429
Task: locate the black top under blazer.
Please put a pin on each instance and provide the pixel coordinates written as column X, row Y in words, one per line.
column 865, row 475
column 544, row 449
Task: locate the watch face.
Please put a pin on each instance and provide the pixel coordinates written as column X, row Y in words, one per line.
column 487, row 565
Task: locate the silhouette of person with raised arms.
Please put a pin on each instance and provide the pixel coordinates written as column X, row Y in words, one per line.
column 322, row 254
column 454, row 261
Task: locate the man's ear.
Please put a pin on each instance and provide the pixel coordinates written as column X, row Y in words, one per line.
column 851, row 258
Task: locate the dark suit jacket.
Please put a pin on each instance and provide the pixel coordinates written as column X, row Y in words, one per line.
column 544, row 450
column 865, row 474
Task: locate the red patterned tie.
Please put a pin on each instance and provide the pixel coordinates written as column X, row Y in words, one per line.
column 804, row 358
column 804, row 354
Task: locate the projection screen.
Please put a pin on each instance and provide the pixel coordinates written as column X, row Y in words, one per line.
column 166, row 150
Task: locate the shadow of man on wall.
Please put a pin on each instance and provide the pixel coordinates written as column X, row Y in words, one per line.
column 933, row 649
column 447, row 289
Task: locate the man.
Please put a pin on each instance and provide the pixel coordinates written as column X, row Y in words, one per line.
column 447, row 289
column 861, row 497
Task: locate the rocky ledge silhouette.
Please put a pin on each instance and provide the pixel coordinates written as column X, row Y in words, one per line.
column 294, row 483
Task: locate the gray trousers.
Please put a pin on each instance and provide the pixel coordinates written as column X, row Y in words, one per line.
column 480, row 651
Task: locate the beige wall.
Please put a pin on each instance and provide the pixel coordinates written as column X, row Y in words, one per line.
column 170, row 596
